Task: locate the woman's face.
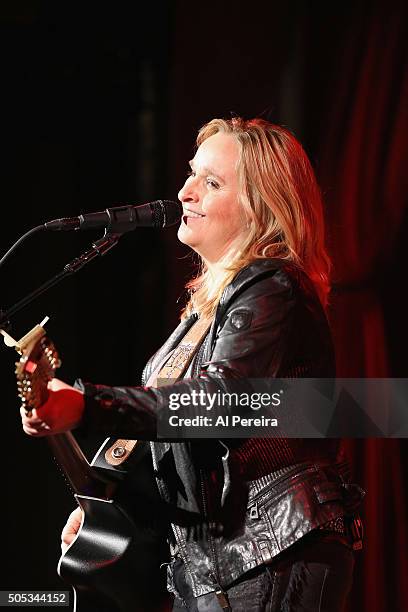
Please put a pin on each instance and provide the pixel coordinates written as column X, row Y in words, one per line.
column 212, row 215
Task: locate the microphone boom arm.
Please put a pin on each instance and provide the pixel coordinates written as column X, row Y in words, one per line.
column 98, row 248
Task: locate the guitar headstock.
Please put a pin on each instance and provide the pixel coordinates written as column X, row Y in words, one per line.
column 37, row 365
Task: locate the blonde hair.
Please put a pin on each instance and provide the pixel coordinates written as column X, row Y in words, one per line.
column 283, row 206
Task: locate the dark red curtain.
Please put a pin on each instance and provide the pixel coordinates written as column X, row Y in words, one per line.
column 363, row 153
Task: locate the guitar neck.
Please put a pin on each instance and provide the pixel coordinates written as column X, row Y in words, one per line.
column 83, row 478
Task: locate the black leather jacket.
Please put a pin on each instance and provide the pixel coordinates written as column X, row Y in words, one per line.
column 257, row 496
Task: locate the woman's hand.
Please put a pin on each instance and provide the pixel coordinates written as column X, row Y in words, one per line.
column 61, row 412
column 71, row 529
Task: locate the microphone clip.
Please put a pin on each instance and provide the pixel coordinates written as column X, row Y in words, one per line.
column 99, row 247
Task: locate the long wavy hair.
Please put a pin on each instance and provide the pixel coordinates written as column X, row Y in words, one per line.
column 282, row 204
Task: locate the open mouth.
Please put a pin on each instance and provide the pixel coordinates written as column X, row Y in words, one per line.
column 192, row 213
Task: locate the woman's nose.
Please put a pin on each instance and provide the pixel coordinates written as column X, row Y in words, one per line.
column 188, row 193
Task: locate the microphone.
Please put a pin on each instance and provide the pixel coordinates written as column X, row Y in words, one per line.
column 121, row 219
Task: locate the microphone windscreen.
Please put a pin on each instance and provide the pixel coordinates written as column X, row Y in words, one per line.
column 167, row 212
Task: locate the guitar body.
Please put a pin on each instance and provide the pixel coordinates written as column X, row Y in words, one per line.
column 114, row 562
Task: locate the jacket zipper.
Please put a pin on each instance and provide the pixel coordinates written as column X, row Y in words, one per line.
column 176, row 529
column 221, row 595
column 198, row 357
column 254, row 511
column 263, row 496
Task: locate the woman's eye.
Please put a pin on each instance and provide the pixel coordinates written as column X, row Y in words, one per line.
column 212, row 183
column 191, row 173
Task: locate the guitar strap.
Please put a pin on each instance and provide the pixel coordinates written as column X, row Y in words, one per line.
column 175, row 365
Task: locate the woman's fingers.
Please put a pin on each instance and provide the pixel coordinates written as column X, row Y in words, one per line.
column 71, row 529
column 33, row 425
column 38, row 431
column 25, row 417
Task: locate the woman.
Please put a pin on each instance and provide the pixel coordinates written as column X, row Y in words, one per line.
column 273, row 512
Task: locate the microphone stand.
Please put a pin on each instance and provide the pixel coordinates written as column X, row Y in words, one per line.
column 98, row 248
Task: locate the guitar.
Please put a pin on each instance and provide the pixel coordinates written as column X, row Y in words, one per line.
column 113, row 564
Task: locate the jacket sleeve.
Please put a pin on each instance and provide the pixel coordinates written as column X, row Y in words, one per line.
column 249, row 342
